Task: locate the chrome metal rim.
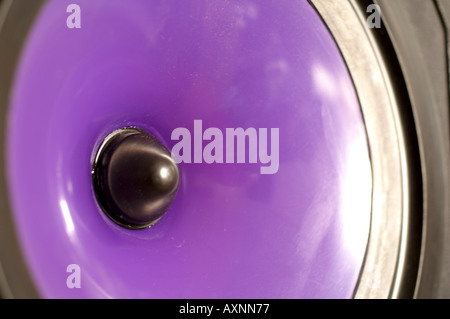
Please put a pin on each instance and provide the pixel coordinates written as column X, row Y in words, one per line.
column 387, row 247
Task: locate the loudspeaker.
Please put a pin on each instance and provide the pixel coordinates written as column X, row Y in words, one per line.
column 224, row 149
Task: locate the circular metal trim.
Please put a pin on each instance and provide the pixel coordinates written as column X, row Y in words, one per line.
column 421, row 48
column 386, row 248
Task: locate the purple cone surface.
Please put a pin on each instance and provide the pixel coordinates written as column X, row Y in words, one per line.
column 231, row 232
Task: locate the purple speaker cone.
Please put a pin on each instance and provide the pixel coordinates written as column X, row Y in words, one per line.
column 231, row 232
